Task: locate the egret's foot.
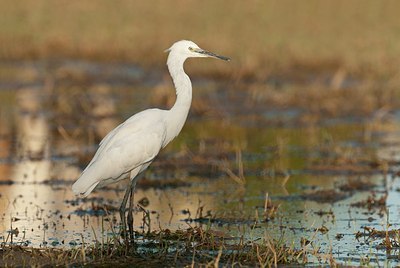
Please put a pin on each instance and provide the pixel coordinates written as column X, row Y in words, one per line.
column 123, row 230
column 123, row 233
column 122, row 210
column 130, row 226
column 125, row 237
column 130, row 214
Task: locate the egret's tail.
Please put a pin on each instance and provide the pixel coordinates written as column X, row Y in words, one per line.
column 84, row 185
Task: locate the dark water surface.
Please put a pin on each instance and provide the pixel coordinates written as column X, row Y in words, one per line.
column 52, row 115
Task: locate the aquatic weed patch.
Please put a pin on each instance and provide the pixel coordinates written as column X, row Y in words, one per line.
column 183, row 247
column 204, row 247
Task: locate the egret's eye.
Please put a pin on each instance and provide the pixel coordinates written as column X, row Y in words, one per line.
column 191, row 49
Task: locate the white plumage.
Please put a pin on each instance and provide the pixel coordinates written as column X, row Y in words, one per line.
column 131, row 147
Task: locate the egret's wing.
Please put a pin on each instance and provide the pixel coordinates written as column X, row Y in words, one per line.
column 135, row 142
column 137, row 123
column 131, row 150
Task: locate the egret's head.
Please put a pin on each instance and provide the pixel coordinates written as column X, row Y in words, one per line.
column 188, row 49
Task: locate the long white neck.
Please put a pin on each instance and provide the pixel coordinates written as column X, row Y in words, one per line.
column 178, row 113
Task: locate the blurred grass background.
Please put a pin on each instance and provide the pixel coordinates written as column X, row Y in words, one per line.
column 359, row 36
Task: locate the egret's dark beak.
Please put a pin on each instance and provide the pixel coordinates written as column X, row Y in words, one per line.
column 210, row 54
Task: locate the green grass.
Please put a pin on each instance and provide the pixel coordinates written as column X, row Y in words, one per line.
column 258, row 35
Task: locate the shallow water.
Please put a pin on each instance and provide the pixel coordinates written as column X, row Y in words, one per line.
column 52, row 116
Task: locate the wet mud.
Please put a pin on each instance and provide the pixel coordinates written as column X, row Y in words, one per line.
column 250, row 162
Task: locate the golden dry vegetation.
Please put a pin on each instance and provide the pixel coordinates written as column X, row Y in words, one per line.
column 358, row 36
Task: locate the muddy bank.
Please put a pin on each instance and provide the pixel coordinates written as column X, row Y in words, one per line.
column 292, row 159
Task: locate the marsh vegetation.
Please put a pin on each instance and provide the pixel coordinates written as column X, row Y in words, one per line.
column 289, row 155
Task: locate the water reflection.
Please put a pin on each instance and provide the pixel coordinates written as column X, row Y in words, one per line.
column 5, row 146
column 25, row 200
column 102, row 110
column 43, row 151
column 33, row 140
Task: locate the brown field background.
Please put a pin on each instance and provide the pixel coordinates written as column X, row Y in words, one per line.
column 311, row 92
column 359, row 36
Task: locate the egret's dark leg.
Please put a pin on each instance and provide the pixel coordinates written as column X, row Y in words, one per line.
column 122, row 208
column 130, row 211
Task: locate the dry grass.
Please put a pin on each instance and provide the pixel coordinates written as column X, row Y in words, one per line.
column 194, row 246
column 334, row 42
column 260, row 36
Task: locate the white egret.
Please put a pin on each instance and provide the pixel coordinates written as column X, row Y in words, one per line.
column 131, row 147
